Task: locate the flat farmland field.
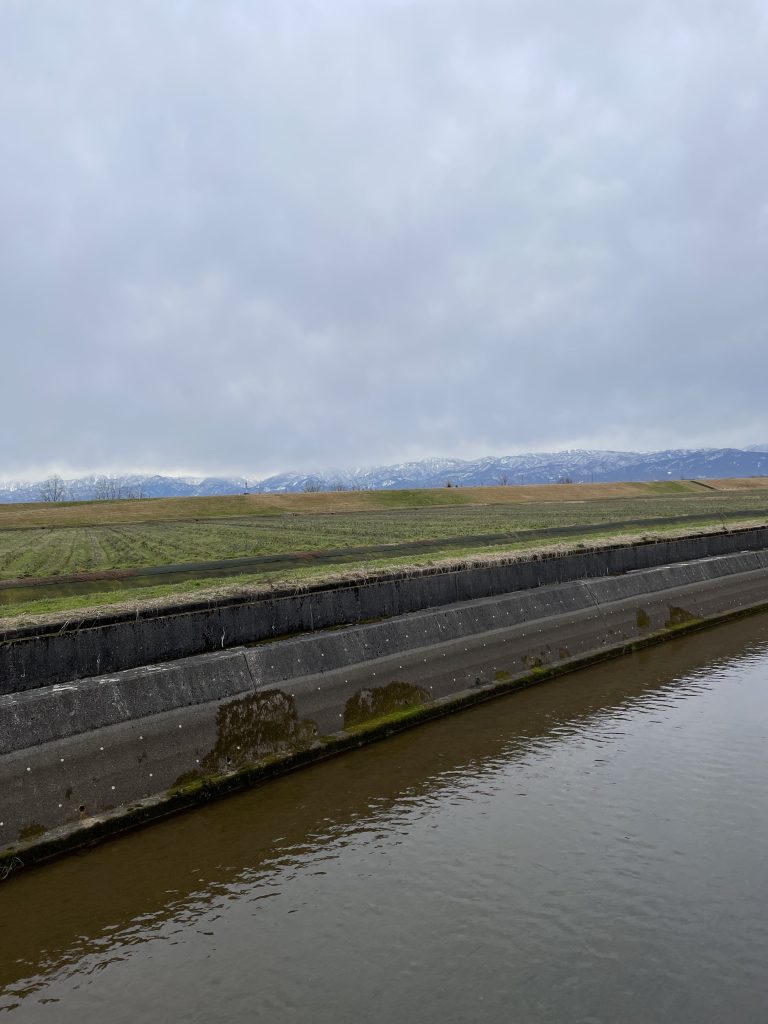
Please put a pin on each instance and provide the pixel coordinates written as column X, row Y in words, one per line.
column 85, row 554
column 82, row 513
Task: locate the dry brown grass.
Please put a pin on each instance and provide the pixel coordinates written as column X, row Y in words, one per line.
column 750, row 483
column 170, row 509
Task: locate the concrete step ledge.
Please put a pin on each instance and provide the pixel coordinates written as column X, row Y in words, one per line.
column 46, row 714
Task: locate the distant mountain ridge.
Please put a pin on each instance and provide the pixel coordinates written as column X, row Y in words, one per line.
column 577, row 466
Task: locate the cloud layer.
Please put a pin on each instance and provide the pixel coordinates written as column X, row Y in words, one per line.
column 248, row 237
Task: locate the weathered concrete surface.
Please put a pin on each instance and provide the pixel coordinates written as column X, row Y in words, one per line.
column 285, row 697
column 40, row 715
column 31, row 657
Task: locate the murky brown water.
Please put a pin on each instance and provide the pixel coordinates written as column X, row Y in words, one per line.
column 592, row 850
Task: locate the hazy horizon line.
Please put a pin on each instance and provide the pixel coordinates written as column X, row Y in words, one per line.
column 177, row 473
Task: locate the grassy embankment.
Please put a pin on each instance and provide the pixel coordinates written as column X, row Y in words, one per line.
column 46, row 541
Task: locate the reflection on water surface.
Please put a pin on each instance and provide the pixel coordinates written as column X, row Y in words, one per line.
column 593, row 849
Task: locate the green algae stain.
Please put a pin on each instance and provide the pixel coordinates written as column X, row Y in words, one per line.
column 254, row 727
column 382, row 701
column 643, row 619
column 185, row 780
column 32, row 831
column 683, row 627
column 678, row 617
column 531, row 662
column 501, row 676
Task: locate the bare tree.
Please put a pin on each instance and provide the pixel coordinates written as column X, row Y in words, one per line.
column 52, row 489
column 313, row 486
column 114, row 488
column 504, row 479
column 107, row 488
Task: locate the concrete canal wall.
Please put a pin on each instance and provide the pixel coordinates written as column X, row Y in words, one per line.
column 82, row 758
column 36, row 656
column 40, row 715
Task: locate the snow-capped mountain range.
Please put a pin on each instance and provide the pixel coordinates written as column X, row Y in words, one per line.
column 578, row 466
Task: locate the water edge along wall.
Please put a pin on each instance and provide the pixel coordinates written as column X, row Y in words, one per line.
column 111, row 722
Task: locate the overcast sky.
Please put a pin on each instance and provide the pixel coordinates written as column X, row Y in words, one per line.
column 243, row 236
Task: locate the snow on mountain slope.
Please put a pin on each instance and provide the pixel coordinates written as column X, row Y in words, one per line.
column 536, row 467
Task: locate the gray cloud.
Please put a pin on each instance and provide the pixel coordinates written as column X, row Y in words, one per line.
column 250, row 237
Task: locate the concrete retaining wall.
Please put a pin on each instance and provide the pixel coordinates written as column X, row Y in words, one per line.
column 102, row 752
column 33, row 657
column 38, row 716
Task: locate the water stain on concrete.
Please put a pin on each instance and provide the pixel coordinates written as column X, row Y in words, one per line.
column 678, row 617
column 643, row 619
column 32, row 831
column 368, row 704
column 532, row 661
column 254, row 727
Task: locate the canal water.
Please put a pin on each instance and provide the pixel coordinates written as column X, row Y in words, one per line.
column 594, row 849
